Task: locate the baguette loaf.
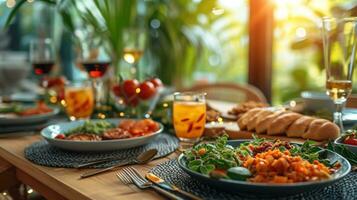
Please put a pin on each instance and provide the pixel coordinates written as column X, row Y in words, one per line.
column 281, row 123
column 258, row 117
column 321, row 129
column 263, row 125
column 243, row 120
column 299, row 127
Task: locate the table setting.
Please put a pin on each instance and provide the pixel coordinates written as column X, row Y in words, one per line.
column 119, row 132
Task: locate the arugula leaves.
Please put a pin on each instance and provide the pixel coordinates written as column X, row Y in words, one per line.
column 206, row 157
column 343, row 151
column 309, row 151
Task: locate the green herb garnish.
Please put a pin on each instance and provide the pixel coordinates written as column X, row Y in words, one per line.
column 11, row 108
column 343, row 151
column 91, row 127
column 206, row 157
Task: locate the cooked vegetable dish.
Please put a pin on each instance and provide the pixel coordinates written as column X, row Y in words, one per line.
column 103, row 130
column 19, row 110
column 350, row 137
column 261, row 160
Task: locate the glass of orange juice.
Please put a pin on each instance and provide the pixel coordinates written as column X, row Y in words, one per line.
column 78, row 100
column 189, row 115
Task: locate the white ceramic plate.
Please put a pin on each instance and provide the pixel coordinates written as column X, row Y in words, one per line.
column 33, row 119
column 50, row 132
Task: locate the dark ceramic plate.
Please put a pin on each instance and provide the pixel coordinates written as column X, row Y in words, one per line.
column 265, row 188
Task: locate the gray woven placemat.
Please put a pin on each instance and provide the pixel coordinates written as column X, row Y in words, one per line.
column 42, row 153
column 171, row 172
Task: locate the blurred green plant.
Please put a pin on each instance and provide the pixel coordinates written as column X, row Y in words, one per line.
column 180, row 39
column 299, row 43
column 104, row 19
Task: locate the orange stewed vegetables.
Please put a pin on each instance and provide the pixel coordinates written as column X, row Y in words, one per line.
column 274, row 166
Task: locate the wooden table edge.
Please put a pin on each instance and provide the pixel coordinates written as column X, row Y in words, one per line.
column 38, row 180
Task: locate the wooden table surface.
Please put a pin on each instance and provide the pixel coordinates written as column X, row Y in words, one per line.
column 64, row 183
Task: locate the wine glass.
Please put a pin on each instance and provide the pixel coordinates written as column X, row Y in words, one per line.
column 95, row 60
column 134, row 43
column 340, row 46
column 42, row 57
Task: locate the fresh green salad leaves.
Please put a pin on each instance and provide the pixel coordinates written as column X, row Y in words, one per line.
column 309, row 151
column 343, row 151
column 91, row 127
column 11, row 108
column 206, row 157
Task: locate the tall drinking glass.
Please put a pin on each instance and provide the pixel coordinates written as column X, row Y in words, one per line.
column 189, row 115
column 78, row 100
column 340, row 45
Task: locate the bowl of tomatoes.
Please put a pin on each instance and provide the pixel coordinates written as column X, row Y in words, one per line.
column 349, row 140
column 133, row 92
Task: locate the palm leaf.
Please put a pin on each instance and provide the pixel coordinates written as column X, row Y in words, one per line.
column 19, row 5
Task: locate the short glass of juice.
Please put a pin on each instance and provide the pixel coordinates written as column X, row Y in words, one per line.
column 79, row 100
column 189, row 115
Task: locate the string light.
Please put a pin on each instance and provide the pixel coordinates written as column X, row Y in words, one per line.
column 10, row 3
column 300, row 32
column 292, row 103
column 217, row 11
column 101, row 116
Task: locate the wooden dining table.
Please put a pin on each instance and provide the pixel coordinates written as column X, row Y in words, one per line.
column 64, row 183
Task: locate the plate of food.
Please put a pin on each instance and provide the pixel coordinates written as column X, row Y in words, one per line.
column 348, row 140
column 101, row 135
column 263, row 166
column 18, row 114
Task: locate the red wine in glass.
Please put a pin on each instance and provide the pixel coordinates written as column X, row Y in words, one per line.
column 43, row 67
column 96, row 69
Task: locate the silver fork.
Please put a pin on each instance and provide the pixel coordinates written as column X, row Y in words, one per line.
column 129, row 175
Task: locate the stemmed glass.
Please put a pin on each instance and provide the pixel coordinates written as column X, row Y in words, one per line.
column 95, row 60
column 42, row 57
column 134, row 44
column 340, row 46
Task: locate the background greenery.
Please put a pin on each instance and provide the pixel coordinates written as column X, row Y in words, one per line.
column 193, row 41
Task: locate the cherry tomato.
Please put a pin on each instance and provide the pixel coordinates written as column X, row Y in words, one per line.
column 350, row 140
column 157, row 82
column 54, row 81
column 132, row 101
column 117, row 90
column 60, row 136
column 130, row 86
column 147, row 90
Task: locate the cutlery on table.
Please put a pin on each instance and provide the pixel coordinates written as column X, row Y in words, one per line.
column 129, row 175
column 163, row 184
column 93, row 162
column 142, row 158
